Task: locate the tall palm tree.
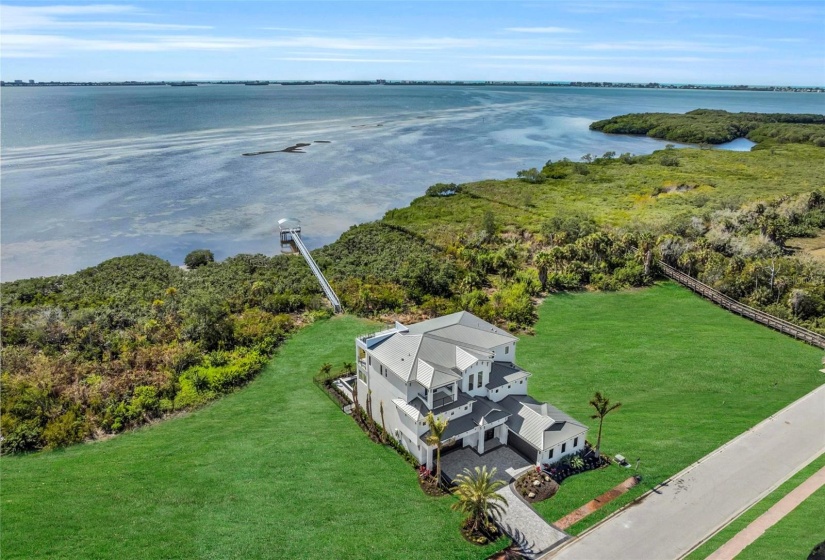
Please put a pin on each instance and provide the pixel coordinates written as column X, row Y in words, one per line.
column 603, row 408
column 437, row 428
column 478, row 496
column 542, row 261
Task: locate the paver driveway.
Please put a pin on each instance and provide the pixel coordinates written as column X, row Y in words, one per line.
column 508, row 463
column 520, row 520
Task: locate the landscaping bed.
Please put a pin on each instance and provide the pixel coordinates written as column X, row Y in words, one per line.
column 587, row 460
column 535, row 486
column 486, row 533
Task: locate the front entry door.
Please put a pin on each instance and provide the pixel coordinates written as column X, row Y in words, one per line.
column 489, row 434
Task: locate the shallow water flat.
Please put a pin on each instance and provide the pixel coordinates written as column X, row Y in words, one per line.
column 90, row 173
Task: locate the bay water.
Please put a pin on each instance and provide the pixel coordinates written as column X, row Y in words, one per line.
column 90, row 173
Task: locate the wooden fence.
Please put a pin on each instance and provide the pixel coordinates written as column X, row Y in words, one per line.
column 801, row 333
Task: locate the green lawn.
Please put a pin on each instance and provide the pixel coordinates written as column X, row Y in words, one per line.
column 795, row 535
column 690, row 377
column 798, row 537
column 275, row 470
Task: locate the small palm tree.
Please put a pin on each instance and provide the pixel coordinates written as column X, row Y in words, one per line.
column 478, row 496
column 603, row 408
column 437, row 428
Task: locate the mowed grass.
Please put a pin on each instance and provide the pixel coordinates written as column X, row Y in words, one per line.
column 690, row 376
column 801, row 535
column 795, row 535
column 275, row 470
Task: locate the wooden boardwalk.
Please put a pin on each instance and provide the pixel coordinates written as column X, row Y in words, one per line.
column 720, row 299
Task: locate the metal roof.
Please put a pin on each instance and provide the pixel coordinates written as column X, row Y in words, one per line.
column 484, row 412
column 542, row 425
column 502, row 374
column 432, row 376
column 289, row 223
column 399, row 353
column 464, row 327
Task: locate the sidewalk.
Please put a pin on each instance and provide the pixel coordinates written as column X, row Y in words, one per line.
column 780, row 509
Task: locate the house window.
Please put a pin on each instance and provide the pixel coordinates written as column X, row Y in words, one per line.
column 362, row 376
column 550, row 455
column 472, row 378
column 575, row 442
column 496, row 390
column 480, row 376
column 563, row 447
column 506, row 349
column 369, row 360
column 520, row 382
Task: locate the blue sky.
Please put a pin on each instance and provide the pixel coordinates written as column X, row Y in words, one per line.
column 735, row 42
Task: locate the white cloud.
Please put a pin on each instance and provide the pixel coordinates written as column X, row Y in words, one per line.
column 36, row 18
column 27, row 45
column 333, row 59
column 541, row 30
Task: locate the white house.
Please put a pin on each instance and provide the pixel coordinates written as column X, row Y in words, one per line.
column 462, row 369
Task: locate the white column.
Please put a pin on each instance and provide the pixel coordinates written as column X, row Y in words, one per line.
column 455, row 391
column 481, row 439
column 430, row 462
column 502, row 434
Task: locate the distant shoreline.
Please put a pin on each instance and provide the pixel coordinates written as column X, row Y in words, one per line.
column 627, row 85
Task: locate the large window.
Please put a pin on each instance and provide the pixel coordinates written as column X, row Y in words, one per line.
column 575, row 442
column 550, row 455
column 480, row 377
column 506, row 349
column 563, row 447
column 472, row 379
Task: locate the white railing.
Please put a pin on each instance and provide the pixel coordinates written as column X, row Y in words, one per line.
column 333, row 299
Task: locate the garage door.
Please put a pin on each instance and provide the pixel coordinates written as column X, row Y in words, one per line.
column 525, row 449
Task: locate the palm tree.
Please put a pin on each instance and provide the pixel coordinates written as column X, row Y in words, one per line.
column 542, row 261
column 437, row 428
column 478, row 495
column 603, row 408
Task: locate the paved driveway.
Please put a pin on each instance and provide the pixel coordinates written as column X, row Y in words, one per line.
column 691, row 506
column 507, row 461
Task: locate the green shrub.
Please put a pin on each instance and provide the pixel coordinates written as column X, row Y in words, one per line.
column 64, row 430
column 632, row 274
column 198, row 257
column 19, row 435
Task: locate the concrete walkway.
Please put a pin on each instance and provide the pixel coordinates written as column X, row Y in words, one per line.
column 526, row 527
column 684, row 511
column 780, row 509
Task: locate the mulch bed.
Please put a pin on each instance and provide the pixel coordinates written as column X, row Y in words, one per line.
column 512, row 552
column 526, row 485
column 430, row 486
column 487, row 534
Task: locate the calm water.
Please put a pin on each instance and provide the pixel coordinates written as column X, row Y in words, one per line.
column 92, row 173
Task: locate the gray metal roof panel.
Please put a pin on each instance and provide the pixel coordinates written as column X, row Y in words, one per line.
column 541, row 430
column 398, row 352
column 460, row 425
column 501, row 374
column 463, row 319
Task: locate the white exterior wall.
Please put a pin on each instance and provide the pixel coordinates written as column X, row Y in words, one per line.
column 515, row 388
column 479, row 368
column 570, row 449
column 505, row 352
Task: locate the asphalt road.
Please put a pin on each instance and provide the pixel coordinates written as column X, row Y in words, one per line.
column 691, row 506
